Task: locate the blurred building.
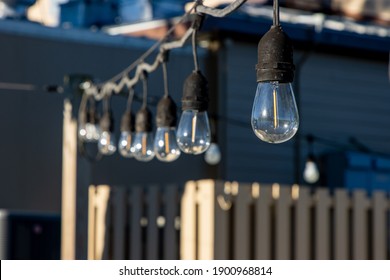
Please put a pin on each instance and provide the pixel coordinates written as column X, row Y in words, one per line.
column 342, row 88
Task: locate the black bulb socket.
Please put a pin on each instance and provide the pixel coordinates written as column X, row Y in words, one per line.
column 195, row 92
column 143, row 120
column 275, row 57
column 127, row 122
column 107, row 122
column 92, row 116
column 166, row 112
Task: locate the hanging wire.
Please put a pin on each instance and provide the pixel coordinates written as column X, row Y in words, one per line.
column 106, row 103
column 165, row 77
column 194, row 50
column 152, row 48
column 276, row 13
column 145, row 90
column 130, row 99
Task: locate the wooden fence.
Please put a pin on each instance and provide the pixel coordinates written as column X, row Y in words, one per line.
column 227, row 220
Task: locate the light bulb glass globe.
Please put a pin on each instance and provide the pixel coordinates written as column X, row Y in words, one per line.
column 213, row 154
column 125, row 146
column 107, row 143
column 89, row 132
column 193, row 133
column 275, row 116
column 143, row 146
column 165, row 145
column 311, row 173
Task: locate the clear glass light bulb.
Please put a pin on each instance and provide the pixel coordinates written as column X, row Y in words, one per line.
column 165, row 145
column 126, row 149
column 89, row 132
column 193, row 133
column 107, row 143
column 143, row 146
column 311, row 173
column 275, row 116
column 213, row 154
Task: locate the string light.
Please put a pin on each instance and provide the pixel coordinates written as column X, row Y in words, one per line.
column 107, row 140
column 88, row 130
column 193, row 133
column 274, row 114
column 125, row 144
column 165, row 145
column 311, row 173
column 143, row 141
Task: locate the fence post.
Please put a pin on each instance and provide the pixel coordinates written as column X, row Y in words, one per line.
column 91, row 222
column 75, row 183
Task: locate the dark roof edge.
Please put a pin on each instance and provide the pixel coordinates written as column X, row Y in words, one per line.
column 314, row 28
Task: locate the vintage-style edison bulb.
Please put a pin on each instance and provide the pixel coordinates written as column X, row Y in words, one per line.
column 193, row 133
column 213, row 154
column 165, row 145
column 107, row 143
column 125, row 146
column 143, row 146
column 274, row 115
column 311, row 174
column 143, row 140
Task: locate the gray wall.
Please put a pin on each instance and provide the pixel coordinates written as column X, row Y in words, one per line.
column 31, row 122
column 341, row 97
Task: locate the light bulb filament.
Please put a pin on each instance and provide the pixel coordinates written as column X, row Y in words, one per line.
column 128, row 142
column 193, row 129
column 276, row 121
column 144, row 138
column 166, row 137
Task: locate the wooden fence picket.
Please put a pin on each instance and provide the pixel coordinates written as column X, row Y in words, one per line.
column 282, row 223
column 188, row 250
column 263, row 202
column 230, row 220
column 242, row 218
column 322, row 225
column 302, row 228
column 341, row 224
column 118, row 203
column 153, row 212
column 206, row 204
column 136, row 214
column 379, row 208
column 222, row 210
column 360, row 226
column 103, row 220
column 171, row 202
